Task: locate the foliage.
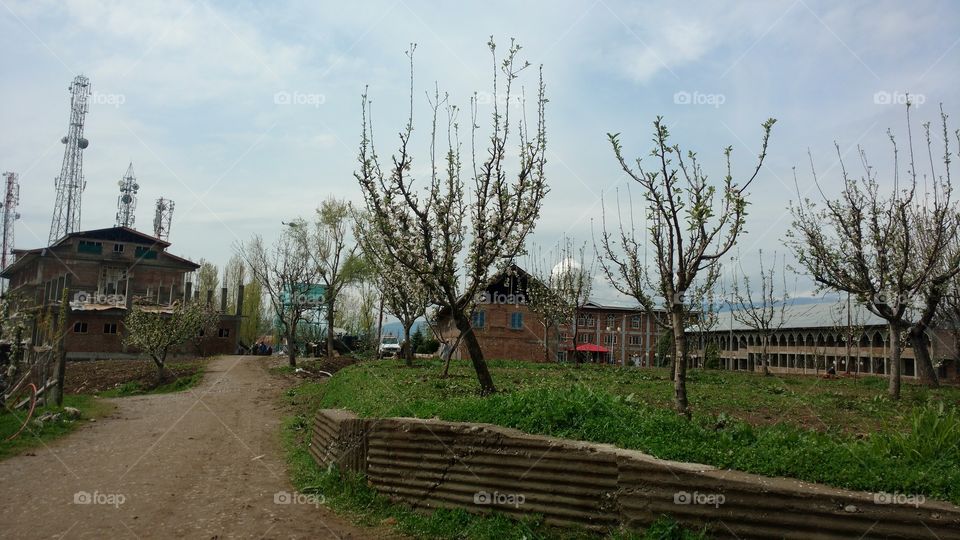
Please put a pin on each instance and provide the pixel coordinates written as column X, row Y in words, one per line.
column 208, row 279
column 690, row 229
column 445, row 231
column 254, row 319
column 155, row 333
column 740, row 421
column 335, row 259
column 711, row 356
column 664, row 350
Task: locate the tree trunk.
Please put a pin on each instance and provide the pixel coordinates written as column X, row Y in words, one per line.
column 546, row 346
column 765, row 359
column 161, row 367
column 407, row 347
column 61, row 372
column 894, row 388
column 679, row 362
column 330, row 333
column 292, row 347
column 476, row 353
column 921, row 357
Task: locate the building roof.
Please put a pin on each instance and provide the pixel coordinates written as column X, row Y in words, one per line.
column 816, row 315
column 113, row 234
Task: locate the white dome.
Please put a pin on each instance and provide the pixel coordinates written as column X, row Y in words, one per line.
column 565, row 266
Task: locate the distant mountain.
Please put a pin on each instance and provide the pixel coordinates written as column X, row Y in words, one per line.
column 396, row 329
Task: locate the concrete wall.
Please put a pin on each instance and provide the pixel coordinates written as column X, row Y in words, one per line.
column 479, row 467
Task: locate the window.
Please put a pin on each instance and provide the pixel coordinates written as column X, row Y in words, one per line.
column 561, row 356
column 143, row 252
column 610, row 339
column 118, row 248
column 635, row 322
column 636, row 340
column 224, row 332
column 110, row 328
column 564, row 336
column 590, row 320
column 479, row 319
column 113, row 280
column 582, row 320
column 612, row 321
column 585, row 338
column 86, row 246
column 80, row 327
column 516, row 320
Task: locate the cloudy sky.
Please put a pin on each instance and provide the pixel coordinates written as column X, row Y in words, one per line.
column 247, row 113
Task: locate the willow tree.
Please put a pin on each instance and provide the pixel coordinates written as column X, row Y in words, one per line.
column 691, row 224
column 441, row 229
column 891, row 251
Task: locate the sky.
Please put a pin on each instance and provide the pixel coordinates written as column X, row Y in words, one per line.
column 247, row 114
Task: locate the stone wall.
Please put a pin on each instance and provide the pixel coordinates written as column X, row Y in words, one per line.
column 479, row 467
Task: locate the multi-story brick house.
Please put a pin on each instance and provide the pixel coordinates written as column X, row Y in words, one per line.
column 507, row 328
column 105, row 271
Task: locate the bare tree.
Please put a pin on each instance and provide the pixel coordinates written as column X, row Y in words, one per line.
column 400, row 289
column 764, row 310
column 891, row 252
column 442, row 232
column 234, row 275
column 689, row 229
column 285, row 272
column 558, row 292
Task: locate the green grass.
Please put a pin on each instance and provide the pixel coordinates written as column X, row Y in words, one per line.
column 33, row 436
column 138, row 388
column 838, row 432
column 349, row 494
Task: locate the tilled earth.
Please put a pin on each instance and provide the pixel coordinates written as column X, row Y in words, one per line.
column 203, row 463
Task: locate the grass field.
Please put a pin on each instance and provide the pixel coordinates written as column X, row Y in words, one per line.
column 842, row 432
column 350, row 495
column 34, row 436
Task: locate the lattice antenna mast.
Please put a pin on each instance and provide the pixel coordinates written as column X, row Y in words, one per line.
column 127, row 201
column 11, row 200
column 70, row 183
column 162, row 219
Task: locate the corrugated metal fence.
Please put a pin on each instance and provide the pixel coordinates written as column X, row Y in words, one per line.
column 479, row 467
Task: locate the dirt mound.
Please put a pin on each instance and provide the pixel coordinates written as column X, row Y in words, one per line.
column 91, row 377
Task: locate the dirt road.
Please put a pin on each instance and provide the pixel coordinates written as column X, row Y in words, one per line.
column 204, row 463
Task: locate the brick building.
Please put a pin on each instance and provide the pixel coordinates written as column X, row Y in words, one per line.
column 507, row 329
column 106, row 271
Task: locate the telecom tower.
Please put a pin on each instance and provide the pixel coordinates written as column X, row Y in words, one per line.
column 10, row 201
column 162, row 219
column 127, row 201
column 70, row 183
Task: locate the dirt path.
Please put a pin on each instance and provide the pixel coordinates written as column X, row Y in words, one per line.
column 204, row 463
